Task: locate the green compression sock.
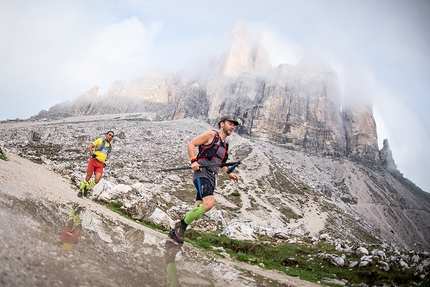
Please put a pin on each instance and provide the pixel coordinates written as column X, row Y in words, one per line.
column 83, row 184
column 78, row 219
column 194, row 213
column 172, row 277
column 72, row 214
column 91, row 184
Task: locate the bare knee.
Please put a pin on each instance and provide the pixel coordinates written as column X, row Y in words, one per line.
column 97, row 178
column 208, row 205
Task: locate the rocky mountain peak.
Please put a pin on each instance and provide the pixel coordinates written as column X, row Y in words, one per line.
column 298, row 107
column 386, row 157
column 245, row 55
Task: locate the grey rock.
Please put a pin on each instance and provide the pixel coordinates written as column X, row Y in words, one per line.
column 362, row 250
column 240, row 229
column 333, row 259
column 298, row 107
column 379, row 253
column 386, row 157
column 403, row 264
column 384, row 265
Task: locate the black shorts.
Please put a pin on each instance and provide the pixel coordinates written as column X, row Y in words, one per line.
column 204, row 187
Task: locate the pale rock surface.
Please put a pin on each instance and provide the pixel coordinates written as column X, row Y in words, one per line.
column 362, row 250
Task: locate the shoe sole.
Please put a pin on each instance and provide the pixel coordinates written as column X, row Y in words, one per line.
column 174, row 236
column 80, row 194
column 181, row 240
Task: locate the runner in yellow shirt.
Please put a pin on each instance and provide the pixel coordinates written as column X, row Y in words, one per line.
column 99, row 151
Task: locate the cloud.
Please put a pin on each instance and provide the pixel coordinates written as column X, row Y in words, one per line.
column 281, row 50
column 407, row 132
column 54, row 51
column 118, row 52
column 34, row 43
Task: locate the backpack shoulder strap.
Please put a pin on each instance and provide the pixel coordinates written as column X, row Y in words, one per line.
column 102, row 145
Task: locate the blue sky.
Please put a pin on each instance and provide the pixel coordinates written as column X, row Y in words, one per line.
column 52, row 51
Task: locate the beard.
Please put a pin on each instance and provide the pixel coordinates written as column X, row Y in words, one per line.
column 227, row 131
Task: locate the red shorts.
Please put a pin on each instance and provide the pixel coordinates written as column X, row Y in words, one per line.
column 68, row 237
column 95, row 166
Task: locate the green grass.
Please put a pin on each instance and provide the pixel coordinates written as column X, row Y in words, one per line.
column 235, row 193
column 332, row 225
column 278, row 181
column 185, row 192
column 2, row 156
column 285, row 210
column 301, row 260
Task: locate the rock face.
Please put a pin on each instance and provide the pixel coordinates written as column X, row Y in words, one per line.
column 386, row 157
column 298, row 107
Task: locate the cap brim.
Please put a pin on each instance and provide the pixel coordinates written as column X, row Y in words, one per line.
column 236, row 123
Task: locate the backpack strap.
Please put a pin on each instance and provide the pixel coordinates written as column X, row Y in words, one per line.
column 210, row 151
column 102, row 146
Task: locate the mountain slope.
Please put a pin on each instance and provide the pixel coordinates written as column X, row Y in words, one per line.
column 281, row 191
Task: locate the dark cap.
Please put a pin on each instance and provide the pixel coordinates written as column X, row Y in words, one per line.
column 228, row 118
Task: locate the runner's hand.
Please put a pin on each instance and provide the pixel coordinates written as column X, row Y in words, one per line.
column 195, row 166
column 234, row 177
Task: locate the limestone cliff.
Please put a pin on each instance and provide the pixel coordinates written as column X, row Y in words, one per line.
column 299, row 107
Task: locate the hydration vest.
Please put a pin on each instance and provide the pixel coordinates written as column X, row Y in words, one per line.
column 211, row 150
column 102, row 146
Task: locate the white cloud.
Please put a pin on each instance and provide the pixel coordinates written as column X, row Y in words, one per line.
column 54, row 51
column 280, row 50
column 118, row 52
column 408, row 135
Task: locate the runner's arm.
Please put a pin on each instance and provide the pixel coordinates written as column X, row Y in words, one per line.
column 232, row 176
column 90, row 148
column 204, row 138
